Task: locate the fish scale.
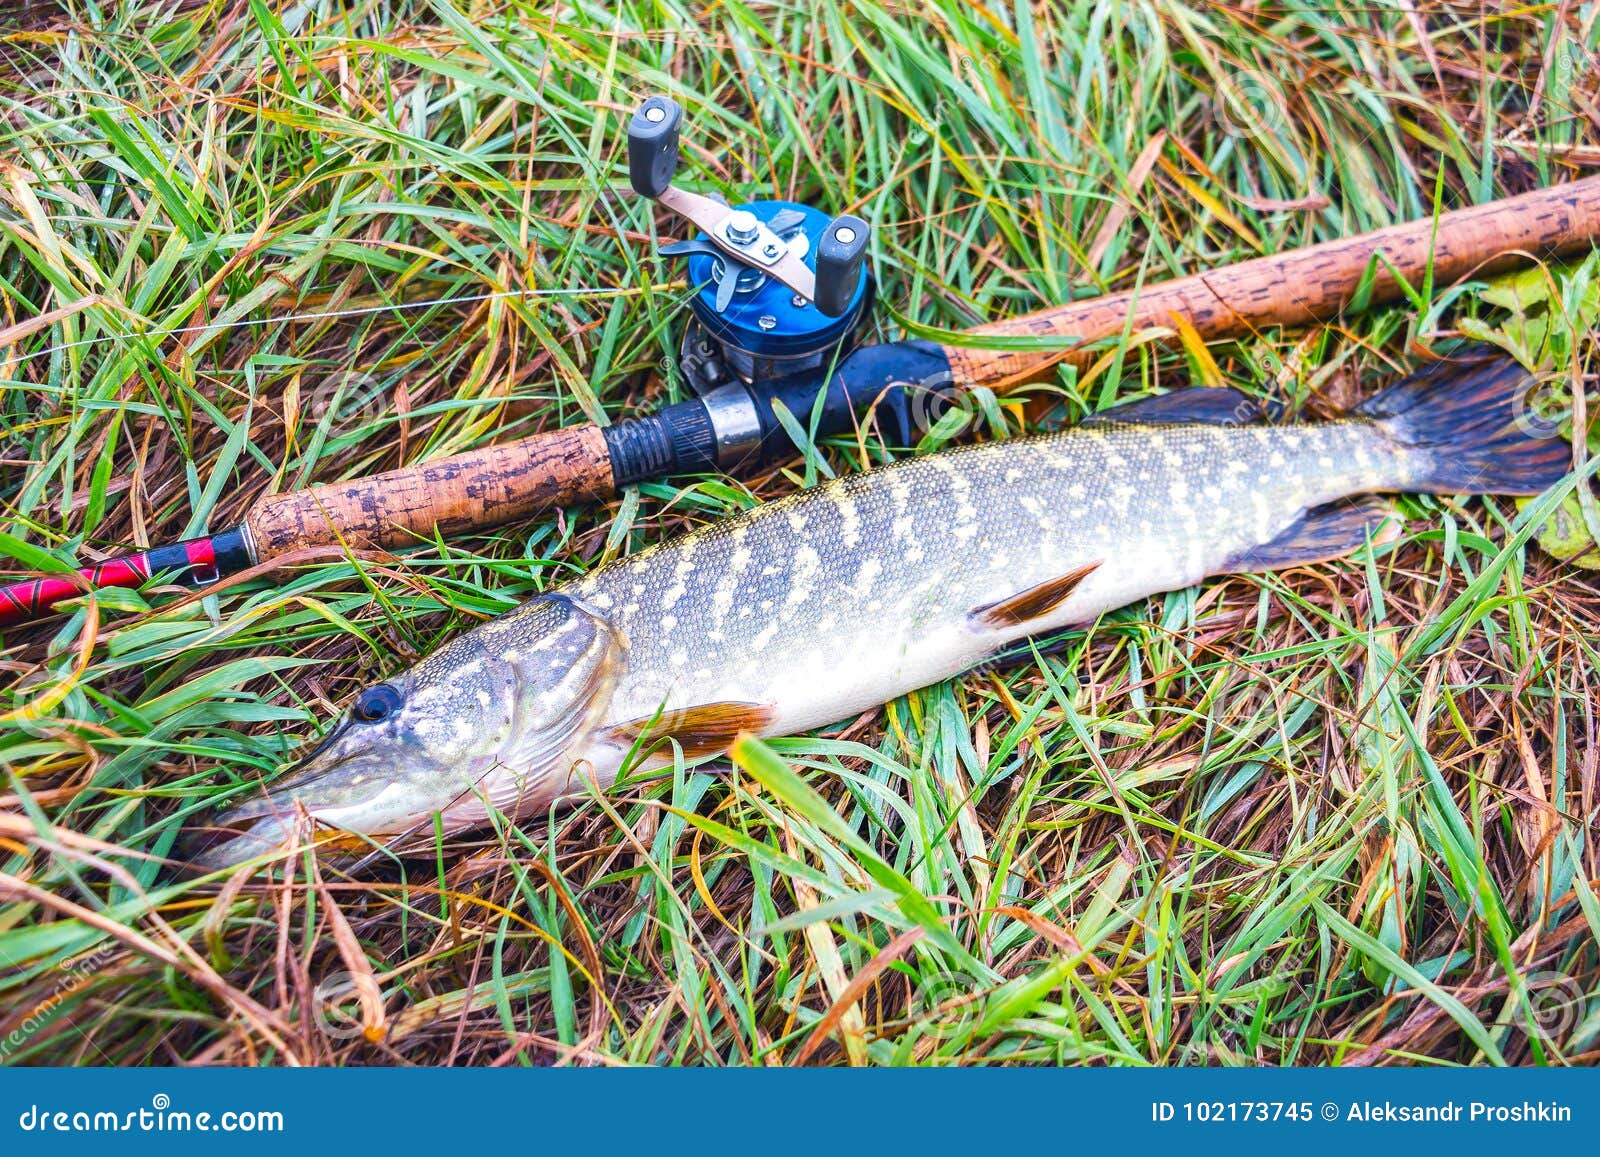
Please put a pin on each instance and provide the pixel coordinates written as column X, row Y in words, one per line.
column 812, row 608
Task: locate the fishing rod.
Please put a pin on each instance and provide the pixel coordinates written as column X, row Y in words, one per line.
column 783, row 295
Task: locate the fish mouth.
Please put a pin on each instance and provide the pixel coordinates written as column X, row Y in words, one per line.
column 264, row 823
column 223, row 844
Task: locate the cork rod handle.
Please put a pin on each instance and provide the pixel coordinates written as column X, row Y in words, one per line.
column 1306, row 285
column 402, row 507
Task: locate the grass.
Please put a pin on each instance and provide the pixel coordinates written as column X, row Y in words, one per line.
column 1343, row 815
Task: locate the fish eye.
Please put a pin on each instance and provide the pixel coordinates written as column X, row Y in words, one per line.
column 375, row 704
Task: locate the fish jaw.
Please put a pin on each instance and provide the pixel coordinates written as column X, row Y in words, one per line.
column 335, row 790
column 494, row 720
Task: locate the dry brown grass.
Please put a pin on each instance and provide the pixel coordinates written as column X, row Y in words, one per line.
column 1328, row 816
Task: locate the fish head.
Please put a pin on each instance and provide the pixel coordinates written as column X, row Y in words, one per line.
column 495, row 717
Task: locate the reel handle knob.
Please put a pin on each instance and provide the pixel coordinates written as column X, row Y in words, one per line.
column 653, row 146
column 840, row 254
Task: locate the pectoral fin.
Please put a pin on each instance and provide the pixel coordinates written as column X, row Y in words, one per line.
column 1321, row 533
column 1035, row 603
column 702, row 730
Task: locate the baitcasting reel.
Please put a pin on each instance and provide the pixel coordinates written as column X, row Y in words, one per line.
column 781, row 288
column 781, row 292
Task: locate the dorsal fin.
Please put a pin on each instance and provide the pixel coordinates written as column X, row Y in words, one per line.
column 1037, row 602
column 1196, row 405
column 702, row 730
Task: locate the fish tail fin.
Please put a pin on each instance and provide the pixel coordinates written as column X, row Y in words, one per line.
column 1471, row 430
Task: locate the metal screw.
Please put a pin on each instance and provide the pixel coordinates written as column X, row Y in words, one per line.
column 767, row 321
column 742, row 227
column 655, row 114
column 771, row 250
column 844, row 235
column 798, row 301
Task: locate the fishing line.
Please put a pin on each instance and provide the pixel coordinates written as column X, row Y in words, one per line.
column 326, row 314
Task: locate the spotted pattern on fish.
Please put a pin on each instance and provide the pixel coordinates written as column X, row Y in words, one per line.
column 828, row 601
column 809, row 609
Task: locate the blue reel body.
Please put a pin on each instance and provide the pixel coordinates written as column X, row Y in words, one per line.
column 765, row 329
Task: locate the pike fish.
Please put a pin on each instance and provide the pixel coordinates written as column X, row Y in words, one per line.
column 815, row 607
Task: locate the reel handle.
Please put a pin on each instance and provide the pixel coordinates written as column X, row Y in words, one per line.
column 653, row 146
column 840, row 255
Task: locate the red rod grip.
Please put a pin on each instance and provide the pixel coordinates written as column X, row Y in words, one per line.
column 194, row 562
